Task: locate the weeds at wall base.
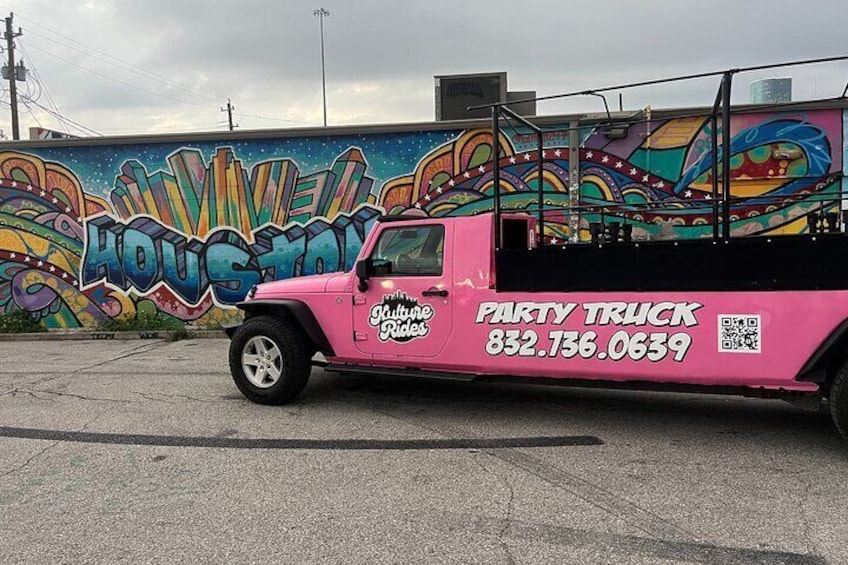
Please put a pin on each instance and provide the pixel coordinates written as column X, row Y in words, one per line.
column 143, row 326
column 18, row 322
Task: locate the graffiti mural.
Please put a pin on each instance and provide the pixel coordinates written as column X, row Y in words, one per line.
column 183, row 230
column 658, row 178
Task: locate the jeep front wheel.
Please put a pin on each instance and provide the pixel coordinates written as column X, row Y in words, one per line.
column 270, row 360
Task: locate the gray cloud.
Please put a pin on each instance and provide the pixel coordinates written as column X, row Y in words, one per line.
column 381, row 56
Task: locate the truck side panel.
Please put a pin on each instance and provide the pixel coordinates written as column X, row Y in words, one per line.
column 758, row 339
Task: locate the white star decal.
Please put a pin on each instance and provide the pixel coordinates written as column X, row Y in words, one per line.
column 661, row 184
column 688, row 194
column 553, row 241
column 14, row 184
column 74, row 282
column 13, row 255
column 55, row 200
column 645, row 178
column 427, row 197
column 439, row 190
column 41, row 263
column 708, row 197
column 79, row 219
column 450, row 183
column 589, row 155
column 512, row 160
column 467, row 175
column 557, row 153
column 64, row 275
column 619, row 164
column 632, row 171
column 29, row 188
column 52, row 269
column 26, row 259
column 481, row 168
column 42, row 193
column 605, row 159
column 526, row 156
column 418, row 205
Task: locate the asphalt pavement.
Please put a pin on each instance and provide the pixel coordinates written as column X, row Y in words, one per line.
column 144, row 451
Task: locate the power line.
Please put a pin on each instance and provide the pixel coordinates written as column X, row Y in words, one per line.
column 119, row 81
column 116, row 61
column 277, row 119
column 29, row 109
column 77, row 125
column 208, row 127
column 121, row 64
column 37, row 77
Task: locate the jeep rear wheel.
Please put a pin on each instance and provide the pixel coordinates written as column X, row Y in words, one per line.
column 838, row 401
column 270, row 360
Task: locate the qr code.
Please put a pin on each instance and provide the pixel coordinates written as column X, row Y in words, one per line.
column 739, row 334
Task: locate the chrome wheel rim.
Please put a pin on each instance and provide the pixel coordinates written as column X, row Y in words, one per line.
column 262, row 362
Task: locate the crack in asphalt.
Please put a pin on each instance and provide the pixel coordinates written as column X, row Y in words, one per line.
column 16, row 391
column 158, row 344
column 173, row 395
column 507, row 514
column 71, row 395
column 30, row 460
column 52, row 445
column 54, row 375
column 615, row 505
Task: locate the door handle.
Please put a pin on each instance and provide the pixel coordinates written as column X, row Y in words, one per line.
column 434, row 292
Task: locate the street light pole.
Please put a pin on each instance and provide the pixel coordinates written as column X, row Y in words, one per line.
column 321, row 13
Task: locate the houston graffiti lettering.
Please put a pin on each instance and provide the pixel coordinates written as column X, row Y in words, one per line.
column 143, row 255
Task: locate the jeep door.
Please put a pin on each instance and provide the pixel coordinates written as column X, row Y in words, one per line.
column 406, row 311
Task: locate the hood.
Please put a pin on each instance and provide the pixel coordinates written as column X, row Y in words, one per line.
column 308, row 284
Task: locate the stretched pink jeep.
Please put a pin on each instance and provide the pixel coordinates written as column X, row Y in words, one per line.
column 496, row 296
column 435, row 298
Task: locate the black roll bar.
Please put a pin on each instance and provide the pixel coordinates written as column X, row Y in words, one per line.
column 722, row 102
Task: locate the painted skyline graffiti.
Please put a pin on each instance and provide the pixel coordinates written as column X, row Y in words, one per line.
column 184, row 231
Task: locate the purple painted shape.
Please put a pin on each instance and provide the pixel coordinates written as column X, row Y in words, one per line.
column 45, row 295
column 63, row 224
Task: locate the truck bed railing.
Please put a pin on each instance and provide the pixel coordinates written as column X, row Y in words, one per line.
column 821, row 212
column 721, row 208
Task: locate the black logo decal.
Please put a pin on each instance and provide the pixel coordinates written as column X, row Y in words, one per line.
column 400, row 318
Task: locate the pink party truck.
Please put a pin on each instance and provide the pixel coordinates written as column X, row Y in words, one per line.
column 501, row 295
column 432, row 298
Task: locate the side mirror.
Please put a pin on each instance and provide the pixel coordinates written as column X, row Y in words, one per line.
column 364, row 268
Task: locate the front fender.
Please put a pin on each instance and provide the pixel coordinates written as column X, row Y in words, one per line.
column 297, row 309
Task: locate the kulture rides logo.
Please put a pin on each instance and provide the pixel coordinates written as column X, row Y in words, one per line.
column 400, row 318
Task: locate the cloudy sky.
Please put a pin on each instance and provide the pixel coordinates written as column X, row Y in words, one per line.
column 115, row 67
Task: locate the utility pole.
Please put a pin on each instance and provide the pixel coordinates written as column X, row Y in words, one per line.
column 13, row 90
column 229, row 110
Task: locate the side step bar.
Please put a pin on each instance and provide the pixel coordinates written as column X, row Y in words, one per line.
column 645, row 386
column 396, row 372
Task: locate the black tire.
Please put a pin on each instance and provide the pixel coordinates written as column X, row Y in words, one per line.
column 280, row 372
column 838, row 401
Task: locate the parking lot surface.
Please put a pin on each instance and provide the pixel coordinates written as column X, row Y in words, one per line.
column 145, row 452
